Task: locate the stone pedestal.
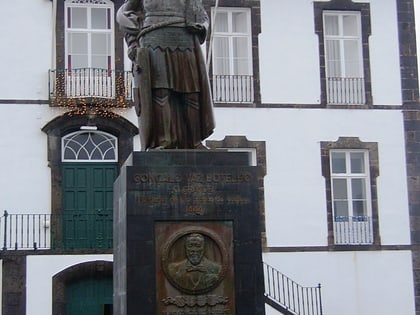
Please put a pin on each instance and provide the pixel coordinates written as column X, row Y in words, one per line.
column 187, row 239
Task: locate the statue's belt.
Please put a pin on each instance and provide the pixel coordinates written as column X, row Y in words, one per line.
column 156, row 26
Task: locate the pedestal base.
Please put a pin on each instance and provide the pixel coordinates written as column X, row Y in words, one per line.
column 186, row 235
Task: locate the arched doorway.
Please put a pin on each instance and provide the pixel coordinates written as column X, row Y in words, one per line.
column 113, row 135
column 89, row 169
column 84, row 289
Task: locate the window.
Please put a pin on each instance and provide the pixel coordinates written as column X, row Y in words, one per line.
column 232, row 55
column 351, row 197
column 89, row 146
column 89, row 40
column 89, row 60
column 89, row 49
column 343, row 57
column 343, row 28
column 350, row 168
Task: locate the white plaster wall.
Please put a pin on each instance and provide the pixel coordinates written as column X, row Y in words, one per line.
column 384, row 53
column 289, row 53
column 362, row 283
column 39, row 272
column 288, row 48
column 25, row 181
column 26, row 30
column 295, row 198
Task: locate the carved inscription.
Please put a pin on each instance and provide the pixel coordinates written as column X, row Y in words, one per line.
column 193, row 192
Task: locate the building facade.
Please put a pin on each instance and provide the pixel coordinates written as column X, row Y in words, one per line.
column 323, row 93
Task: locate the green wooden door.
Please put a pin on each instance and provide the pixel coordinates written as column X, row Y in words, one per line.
column 87, row 204
column 91, row 296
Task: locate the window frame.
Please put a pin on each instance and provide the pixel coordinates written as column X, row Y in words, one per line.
column 88, row 5
column 352, row 144
column 72, row 143
column 348, row 176
column 230, row 35
column 342, row 38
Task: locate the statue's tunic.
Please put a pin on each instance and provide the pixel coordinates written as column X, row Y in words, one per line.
column 176, row 64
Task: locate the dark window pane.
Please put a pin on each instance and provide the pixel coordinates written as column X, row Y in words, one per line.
column 338, row 162
column 359, row 208
column 358, row 188
column 357, row 162
column 341, row 209
column 339, row 189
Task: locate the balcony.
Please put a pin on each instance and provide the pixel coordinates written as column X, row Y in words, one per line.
column 47, row 231
column 345, row 91
column 233, row 88
column 355, row 230
column 105, row 86
column 114, row 87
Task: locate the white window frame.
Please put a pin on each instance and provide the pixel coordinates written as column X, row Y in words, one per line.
column 71, row 143
column 348, row 176
column 215, row 13
column 232, row 85
column 341, row 38
column 342, row 88
column 356, row 229
column 89, row 4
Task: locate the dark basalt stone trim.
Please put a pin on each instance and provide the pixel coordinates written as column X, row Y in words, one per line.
column 13, row 284
column 410, row 96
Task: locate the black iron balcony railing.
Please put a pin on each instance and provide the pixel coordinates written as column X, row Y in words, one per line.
column 25, row 231
column 58, row 231
column 346, row 91
column 90, row 82
column 233, row 88
column 353, row 230
column 288, row 296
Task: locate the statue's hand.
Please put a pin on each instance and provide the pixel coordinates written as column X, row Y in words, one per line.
column 199, row 30
column 196, row 28
column 132, row 52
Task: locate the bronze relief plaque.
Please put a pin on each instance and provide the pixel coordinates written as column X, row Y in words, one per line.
column 194, row 268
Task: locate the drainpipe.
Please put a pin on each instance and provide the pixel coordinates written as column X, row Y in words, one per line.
column 216, row 6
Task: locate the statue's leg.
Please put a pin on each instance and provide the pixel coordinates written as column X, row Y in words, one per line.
column 162, row 119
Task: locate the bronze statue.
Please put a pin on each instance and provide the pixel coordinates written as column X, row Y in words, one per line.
column 172, row 93
column 196, row 272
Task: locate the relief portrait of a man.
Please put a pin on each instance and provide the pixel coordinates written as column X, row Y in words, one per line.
column 196, row 272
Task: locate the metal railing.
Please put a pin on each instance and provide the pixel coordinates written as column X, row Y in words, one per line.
column 71, row 231
column 291, row 296
column 346, row 91
column 89, row 82
column 233, row 88
column 353, row 230
column 25, row 231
